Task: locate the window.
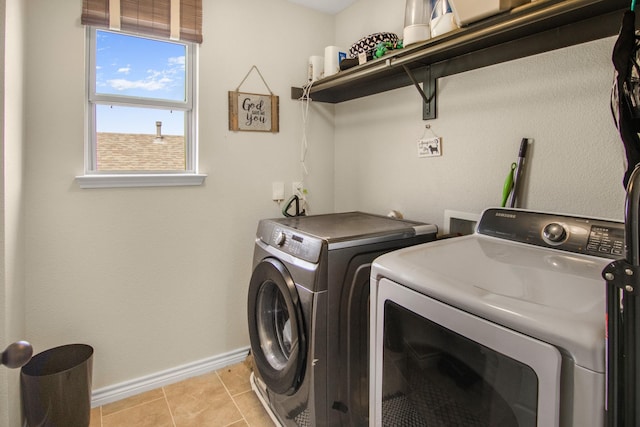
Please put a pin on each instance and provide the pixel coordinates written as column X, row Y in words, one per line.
column 141, row 115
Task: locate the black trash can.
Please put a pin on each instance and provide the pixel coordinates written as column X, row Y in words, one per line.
column 56, row 387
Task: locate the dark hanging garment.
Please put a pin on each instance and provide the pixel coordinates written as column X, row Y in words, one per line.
column 625, row 99
column 623, row 276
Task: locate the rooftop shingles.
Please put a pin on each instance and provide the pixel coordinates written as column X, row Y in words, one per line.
column 130, row 152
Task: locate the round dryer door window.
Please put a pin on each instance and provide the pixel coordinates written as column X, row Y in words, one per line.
column 275, row 327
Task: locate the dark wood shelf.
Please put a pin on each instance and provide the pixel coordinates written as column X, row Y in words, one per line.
column 527, row 30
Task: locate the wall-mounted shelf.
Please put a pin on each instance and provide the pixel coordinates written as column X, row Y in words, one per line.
column 530, row 29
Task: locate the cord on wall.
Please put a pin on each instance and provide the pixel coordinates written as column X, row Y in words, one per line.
column 305, row 102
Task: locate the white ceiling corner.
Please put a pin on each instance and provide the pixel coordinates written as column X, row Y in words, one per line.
column 326, row 6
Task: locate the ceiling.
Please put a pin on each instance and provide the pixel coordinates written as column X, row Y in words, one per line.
column 327, row 6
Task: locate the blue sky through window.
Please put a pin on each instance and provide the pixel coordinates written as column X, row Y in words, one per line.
column 139, row 67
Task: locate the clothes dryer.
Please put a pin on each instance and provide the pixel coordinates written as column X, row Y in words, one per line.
column 308, row 315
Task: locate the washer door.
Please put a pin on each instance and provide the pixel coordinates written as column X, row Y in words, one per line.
column 276, row 327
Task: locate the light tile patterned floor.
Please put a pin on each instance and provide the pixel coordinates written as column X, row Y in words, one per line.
column 221, row 398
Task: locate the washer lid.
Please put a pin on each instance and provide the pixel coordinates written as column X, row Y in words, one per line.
column 555, row 296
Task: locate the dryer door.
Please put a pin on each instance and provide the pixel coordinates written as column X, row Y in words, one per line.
column 276, row 327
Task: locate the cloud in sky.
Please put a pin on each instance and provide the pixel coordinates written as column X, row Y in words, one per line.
column 139, row 67
column 154, row 81
column 177, row 60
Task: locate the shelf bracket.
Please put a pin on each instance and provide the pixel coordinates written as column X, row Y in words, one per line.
column 429, row 83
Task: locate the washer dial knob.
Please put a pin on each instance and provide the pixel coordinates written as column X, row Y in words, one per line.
column 554, row 233
column 281, row 238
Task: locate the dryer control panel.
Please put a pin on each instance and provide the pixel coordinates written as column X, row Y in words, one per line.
column 290, row 241
column 296, row 243
column 587, row 236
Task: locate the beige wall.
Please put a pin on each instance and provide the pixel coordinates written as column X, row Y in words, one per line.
column 559, row 99
column 155, row 278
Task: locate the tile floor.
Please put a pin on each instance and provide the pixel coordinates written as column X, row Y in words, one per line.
column 221, row 398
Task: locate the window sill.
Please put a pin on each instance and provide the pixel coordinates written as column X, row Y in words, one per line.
column 139, row 180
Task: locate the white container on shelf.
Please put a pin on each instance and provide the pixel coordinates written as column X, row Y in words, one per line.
column 316, row 68
column 468, row 11
column 332, row 57
column 442, row 19
column 417, row 17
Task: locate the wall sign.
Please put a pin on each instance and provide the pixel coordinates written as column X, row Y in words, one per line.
column 252, row 111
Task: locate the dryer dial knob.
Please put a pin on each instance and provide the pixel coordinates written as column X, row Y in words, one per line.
column 281, row 238
column 554, row 233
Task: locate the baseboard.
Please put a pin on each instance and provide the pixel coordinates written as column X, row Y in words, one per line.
column 140, row 385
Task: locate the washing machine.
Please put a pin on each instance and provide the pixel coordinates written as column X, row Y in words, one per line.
column 308, row 312
column 504, row 327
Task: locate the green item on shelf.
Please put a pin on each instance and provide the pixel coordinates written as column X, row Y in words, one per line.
column 508, row 185
column 381, row 49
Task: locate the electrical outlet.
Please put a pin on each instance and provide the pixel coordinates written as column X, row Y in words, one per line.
column 277, row 191
column 297, row 189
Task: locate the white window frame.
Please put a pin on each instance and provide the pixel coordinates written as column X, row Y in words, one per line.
column 94, row 178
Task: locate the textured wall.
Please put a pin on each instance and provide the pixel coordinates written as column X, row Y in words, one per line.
column 559, row 99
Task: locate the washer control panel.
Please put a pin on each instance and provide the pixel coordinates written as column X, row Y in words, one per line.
column 554, row 233
column 569, row 233
column 606, row 240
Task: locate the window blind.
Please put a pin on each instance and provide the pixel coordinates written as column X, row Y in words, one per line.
column 150, row 17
